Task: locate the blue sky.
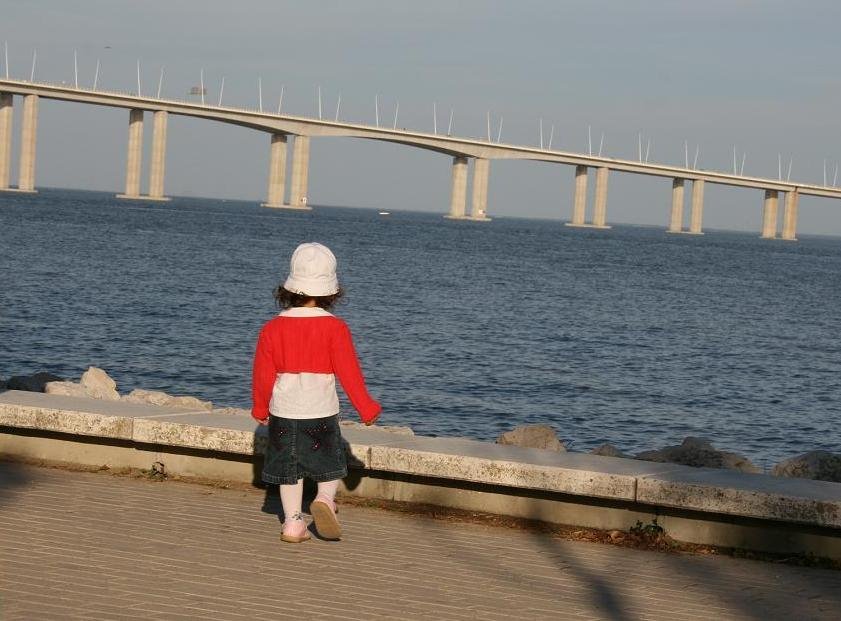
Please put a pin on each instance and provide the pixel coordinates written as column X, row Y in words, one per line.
column 761, row 75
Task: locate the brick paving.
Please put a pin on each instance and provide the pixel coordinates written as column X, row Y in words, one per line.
column 95, row 546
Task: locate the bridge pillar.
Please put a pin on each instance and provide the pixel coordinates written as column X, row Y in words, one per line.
column 790, row 216
column 158, row 164
column 28, row 139
column 479, row 207
column 300, row 172
column 676, row 218
column 697, row 213
column 769, row 215
column 134, row 154
column 6, row 109
column 458, row 195
column 277, row 172
column 600, row 207
column 579, row 201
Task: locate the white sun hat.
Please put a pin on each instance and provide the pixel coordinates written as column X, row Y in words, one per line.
column 312, row 271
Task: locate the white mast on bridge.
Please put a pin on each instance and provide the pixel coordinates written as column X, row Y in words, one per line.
column 319, row 103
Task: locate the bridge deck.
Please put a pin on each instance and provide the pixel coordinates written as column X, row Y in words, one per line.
column 451, row 145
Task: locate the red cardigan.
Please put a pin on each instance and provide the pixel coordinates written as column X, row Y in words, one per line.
column 321, row 344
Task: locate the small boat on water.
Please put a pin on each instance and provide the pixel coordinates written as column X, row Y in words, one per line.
column 385, row 213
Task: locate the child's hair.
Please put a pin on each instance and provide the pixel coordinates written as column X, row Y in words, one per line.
column 287, row 299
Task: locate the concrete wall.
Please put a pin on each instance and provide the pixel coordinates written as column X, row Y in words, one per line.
column 547, row 506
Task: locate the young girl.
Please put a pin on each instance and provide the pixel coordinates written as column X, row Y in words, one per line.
column 299, row 355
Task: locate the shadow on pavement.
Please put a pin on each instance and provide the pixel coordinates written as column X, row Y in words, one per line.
column 732, row 588
column 12, row 477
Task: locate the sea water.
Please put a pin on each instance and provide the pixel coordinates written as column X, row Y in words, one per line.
column 628, row 336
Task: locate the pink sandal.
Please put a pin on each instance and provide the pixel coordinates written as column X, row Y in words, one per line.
column 295, row 530
column 324, row 515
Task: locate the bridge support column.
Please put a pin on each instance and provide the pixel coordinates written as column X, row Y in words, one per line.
column 300, row 173
column 479, row 207
column 600, row 207
column 790, row 216
column 697, row 213
column 676, row 218
column 28, row 139
column 458, row 195
column 579, row 201
column 769, row 215
column 277, row 172
column 134, row 154
column 158, row 164
column 6, row 109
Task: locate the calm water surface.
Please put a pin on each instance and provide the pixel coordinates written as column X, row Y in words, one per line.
column 628, row 336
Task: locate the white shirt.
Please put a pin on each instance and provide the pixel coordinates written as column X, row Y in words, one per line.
column 304, row 395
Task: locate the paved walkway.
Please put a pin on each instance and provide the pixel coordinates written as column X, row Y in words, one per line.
column 95, row 546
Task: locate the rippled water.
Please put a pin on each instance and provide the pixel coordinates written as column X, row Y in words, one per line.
column 628, row 336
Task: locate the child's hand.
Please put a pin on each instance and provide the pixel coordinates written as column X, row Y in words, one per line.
column 372, row 421
column 264, row 422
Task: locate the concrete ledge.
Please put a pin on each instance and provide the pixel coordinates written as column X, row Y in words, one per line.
column 228, row 434
column 718, row 507
column 73, row 415
column 749, row 495
column 494, row 464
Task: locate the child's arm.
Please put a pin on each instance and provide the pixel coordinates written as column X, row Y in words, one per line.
column 346, row 367
column 262, row 377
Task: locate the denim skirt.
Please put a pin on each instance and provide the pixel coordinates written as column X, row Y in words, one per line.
column 304, row 448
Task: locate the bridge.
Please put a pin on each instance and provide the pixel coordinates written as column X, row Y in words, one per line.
column 281, row 127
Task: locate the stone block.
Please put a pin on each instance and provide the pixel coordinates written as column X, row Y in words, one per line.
column 64, row 419
column 68, row 389
column 226, row 434
column 157, row 397
column 361, row 439
column 99, row 385
column 532, row 436
column 608, row 450
column 750, row 495
column 509, row 466
column 399, row 430
column 699, row 453
column 818, row 465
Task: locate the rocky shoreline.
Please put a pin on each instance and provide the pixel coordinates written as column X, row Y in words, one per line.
column 697, row 452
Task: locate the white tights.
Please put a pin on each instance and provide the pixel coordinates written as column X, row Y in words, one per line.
column 291, row 497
